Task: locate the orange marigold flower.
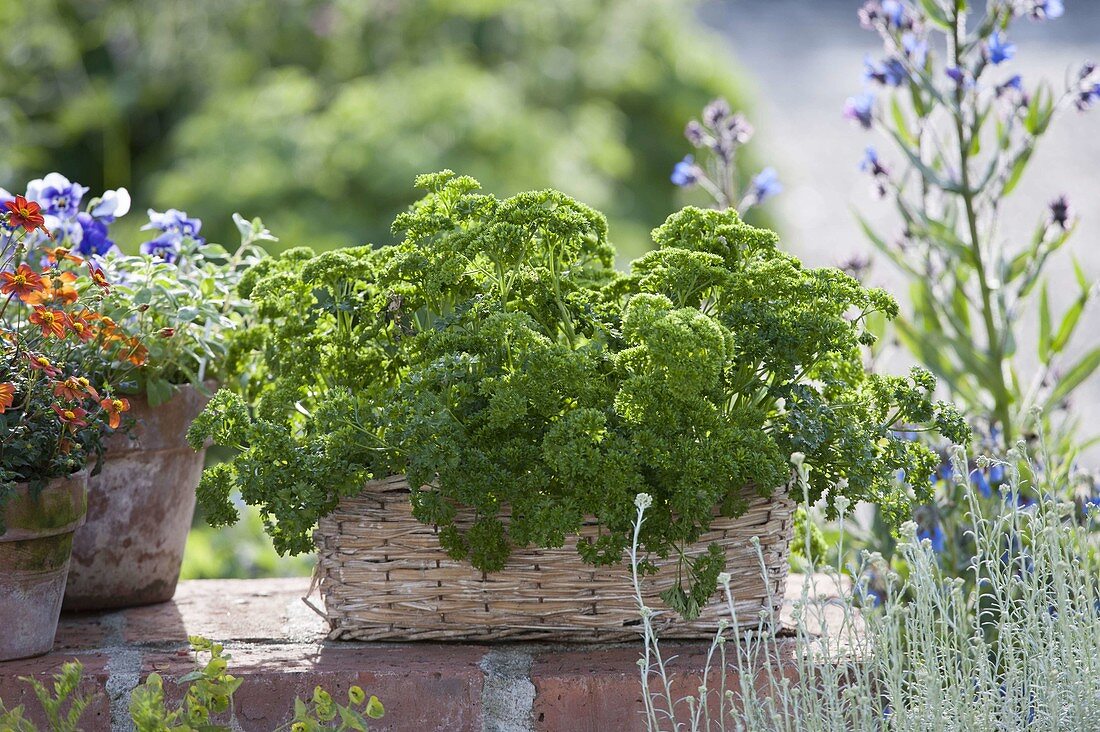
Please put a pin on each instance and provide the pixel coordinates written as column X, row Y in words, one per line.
column 57, row 255
column 27, row 214
column 23, row 282
column 79, row 325
column 87, row 387
column 39, row 362
column 71, row 416
column 74, row 388
column 7, row 396
column 115, row 406
column 52, row 322
column 138, row 353
column 99, row 278
column 56, row 287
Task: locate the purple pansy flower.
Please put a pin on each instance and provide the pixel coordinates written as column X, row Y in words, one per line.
column 94, row 239
column 685, row 173
column 56, row 195
column 111, row 205
column 174, row 221
column 166, row 246
column 860, row 109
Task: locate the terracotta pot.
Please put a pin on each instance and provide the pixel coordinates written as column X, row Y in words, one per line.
column 34, row 561
column 140, row 508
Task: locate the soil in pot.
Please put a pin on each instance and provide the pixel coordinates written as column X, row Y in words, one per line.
column 140, row 509
column 34, row 562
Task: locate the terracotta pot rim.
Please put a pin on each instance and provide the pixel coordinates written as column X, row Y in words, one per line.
column 210, row 385
column 74, row 482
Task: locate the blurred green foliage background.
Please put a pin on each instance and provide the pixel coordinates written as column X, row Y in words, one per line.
column 316, row 115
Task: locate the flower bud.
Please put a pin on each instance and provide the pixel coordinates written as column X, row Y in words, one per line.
column 166, row 332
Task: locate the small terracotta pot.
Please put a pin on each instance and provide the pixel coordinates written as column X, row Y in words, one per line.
column 140, row 508
column 34, row 562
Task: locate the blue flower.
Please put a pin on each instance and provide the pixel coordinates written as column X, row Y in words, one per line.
column 173, row 221
column 860, row 109
column 894, row 11
column 891, row 71
column 997, row 473
column 1015, row 82
column 1087, row 97
column 111, row 205
column 1048, row 10
column 1000, row 50
column 94, row 236
column 765, row 184
column 935, row 536
column 956, row 74
column 166, row 246
column 56, row 195
column 916, row 49
column 871, row 163
column 977, row 477
column 685, row 173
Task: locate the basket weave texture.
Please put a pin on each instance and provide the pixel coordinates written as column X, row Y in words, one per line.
column 383, row 577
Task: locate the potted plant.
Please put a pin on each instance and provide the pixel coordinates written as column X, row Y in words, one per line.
column 494, row 378
column 53, row 417
column 177, row 297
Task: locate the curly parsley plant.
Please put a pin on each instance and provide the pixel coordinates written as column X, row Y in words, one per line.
column 497, row 358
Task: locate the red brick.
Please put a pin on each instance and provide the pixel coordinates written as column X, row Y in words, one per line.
column 592, row 691
column 15, row 692
column 423, row 687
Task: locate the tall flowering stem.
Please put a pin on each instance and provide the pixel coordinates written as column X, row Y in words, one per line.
column 718, row 136
column 964, row 127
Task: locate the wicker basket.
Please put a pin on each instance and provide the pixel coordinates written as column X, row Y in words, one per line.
column 383, row 576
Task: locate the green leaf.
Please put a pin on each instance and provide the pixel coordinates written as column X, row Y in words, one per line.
column 901, row 124
column 1017, row 171
column 936, row 14
column 187, row 314
column 1073, row 378
column 158, row 391
column 1082, row 278
column 1068, row 324
column 1044, row 326
column 375, row 710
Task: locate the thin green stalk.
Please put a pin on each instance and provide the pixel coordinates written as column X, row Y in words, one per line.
column 1002, row 397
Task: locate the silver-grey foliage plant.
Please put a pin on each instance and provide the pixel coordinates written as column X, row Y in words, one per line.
column 1019, row 648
